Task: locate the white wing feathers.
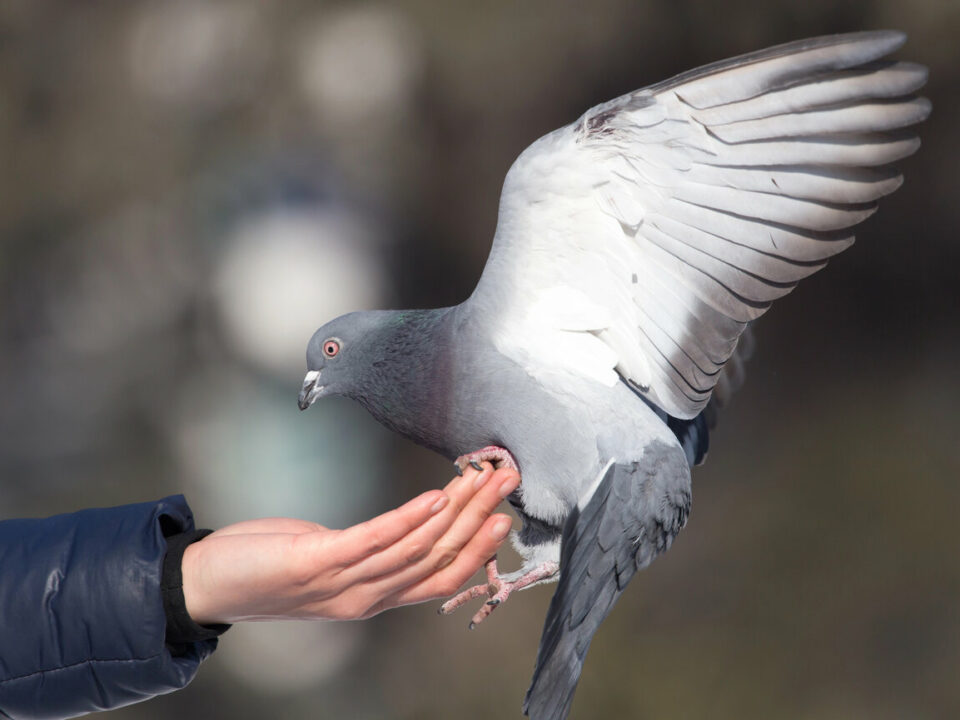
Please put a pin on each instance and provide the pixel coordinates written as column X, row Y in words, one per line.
column 641, row 239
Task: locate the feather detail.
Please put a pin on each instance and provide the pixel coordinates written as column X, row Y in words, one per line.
column 675, row 215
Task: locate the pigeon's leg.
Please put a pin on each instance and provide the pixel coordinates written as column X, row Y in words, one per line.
column 498, row 589
column 498, row 456
column 460, row 599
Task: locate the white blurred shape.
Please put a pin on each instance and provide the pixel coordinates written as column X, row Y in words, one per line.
column 360, row 64
column 196, row 53
column 280, row 658
column 288, row 271
column 247, row 452
column 252, row 453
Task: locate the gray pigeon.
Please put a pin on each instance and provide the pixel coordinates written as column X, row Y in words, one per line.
column 633, row 248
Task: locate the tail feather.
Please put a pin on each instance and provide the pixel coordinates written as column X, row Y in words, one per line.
column 633, row 515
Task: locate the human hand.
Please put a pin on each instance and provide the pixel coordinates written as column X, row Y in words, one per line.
column 281, row 568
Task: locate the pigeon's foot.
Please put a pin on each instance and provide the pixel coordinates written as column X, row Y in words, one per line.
column 498, row 456
column 497, row 589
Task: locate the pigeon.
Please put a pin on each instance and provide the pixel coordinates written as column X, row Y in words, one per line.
column 633, row 249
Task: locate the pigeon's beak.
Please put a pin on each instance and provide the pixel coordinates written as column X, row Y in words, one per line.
column 311, row 390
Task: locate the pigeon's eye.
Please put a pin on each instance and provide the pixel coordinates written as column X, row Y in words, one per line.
column 331, row 348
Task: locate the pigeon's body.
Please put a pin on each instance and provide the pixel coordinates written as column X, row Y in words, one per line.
column 436, row 377
column 632, row 250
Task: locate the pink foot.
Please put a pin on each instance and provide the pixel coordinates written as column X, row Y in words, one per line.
column 498, row 456
column 497, row 589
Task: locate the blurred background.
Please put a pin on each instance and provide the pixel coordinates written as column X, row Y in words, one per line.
column 191, row 188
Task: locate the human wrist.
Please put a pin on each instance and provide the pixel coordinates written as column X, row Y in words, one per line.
column 182, row 578
column 196, row 598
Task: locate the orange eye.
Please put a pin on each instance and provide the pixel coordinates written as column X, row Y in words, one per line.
column 331, row 348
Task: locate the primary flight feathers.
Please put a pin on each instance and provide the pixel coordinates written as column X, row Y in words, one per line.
column 658, row 224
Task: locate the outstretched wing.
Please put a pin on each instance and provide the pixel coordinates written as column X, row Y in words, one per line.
column 632, row 517
column 642, row 238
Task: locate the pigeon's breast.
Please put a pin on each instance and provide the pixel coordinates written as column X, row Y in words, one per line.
column 561, row 437
column 502, row 405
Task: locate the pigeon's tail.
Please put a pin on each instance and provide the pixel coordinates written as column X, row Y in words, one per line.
column 633, row 516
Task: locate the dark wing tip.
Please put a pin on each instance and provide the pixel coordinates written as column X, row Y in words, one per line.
column 886, row 40
column 883, row 43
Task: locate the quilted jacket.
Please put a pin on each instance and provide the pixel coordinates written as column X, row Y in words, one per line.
column 82, row 622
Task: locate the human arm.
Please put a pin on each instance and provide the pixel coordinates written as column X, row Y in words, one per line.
column 82, row 626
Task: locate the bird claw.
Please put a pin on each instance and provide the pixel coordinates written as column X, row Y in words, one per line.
column 476, row 466
column 499, row 457
column 496, row 589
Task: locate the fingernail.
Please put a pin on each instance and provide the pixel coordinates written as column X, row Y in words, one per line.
column 500, row 530
column 481, row 478
column 439, row 505
column 509, row 486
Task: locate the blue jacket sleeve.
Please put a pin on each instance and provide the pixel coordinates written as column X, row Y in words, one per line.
column 82, row 624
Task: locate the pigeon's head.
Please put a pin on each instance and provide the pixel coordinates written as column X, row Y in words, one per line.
column 334, row 356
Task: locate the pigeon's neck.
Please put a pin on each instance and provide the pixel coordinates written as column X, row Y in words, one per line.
column 406, row 375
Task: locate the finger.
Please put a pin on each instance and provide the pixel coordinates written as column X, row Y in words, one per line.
column 470, row 559
column 416, row 545
column 372, row 536
column 462, row 488
column 485, row 500
column 467, row 525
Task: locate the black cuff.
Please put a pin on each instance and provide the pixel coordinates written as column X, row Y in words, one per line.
column 182, row 631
